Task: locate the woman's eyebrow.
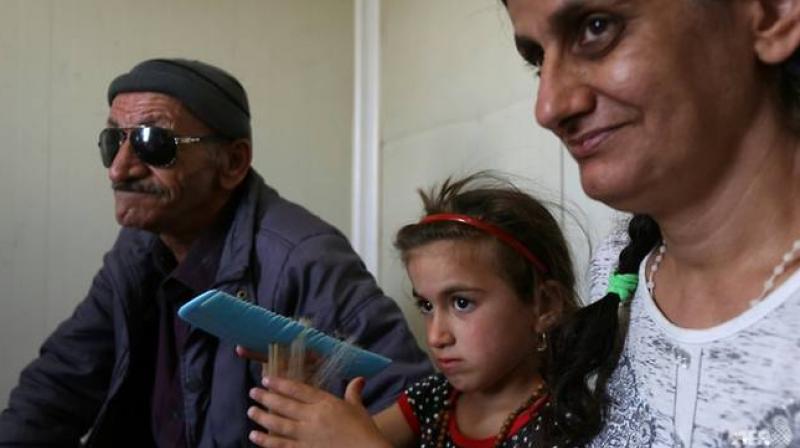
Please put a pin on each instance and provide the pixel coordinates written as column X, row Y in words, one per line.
column 565, row 15
column 572, row 11
column 560, row 22
column 529, row 49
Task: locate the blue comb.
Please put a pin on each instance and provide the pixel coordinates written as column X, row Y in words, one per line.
column 255, row 328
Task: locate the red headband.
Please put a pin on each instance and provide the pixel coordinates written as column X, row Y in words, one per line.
column 491, row 229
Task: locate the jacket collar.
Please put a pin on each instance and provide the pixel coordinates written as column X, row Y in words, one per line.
column 234, row 262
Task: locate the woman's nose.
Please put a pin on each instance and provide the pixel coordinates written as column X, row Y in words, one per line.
column 563, row 95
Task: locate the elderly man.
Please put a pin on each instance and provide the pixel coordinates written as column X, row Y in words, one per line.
column 123, row 370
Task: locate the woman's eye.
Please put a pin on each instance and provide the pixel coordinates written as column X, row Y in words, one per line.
column 597, row 25
column 597, row 33
column 462, row 304
column 425, row 306
column 536, row 67
column 531, row 53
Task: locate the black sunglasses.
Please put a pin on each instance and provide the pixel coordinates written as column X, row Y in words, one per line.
column 152, row 145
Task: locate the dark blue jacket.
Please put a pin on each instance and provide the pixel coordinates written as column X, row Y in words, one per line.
column 276, row 254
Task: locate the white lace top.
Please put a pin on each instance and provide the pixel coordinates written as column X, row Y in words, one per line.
column 733, row 385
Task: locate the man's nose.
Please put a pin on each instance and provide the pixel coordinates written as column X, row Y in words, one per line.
column 563, row 95
column 126, row 165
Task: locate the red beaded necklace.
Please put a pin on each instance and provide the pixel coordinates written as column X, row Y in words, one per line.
column 449, row 406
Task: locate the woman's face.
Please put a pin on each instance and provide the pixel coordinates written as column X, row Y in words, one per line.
column 650, row 97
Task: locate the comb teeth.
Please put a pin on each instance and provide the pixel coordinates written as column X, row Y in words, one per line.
column 255, row 328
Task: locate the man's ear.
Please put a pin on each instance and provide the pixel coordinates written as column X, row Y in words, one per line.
column 776, row 27
column 235, row 160
column 549, row 305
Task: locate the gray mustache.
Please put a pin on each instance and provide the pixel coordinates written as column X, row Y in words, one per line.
column 138, row 187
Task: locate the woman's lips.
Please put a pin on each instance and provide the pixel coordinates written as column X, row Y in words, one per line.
column 589, row 143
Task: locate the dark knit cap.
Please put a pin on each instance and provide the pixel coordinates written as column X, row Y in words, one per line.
column 211, row 94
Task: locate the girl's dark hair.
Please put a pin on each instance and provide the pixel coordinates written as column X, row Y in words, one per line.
column 492, row 199
column 575, row 410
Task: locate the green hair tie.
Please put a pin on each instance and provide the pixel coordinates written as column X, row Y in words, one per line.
column 623, row 285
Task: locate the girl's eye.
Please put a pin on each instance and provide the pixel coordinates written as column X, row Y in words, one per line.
column 597, row 33
column 425, row 306
column 462, row 304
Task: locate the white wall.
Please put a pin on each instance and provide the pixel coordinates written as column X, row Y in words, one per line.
column 456, row 99
column 58, row 56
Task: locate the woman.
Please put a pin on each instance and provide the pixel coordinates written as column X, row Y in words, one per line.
column 685, row 113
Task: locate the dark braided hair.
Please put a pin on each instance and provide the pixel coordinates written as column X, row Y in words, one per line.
column 593, row 338
column 493, row 200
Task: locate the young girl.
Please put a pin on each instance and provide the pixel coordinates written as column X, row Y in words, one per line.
column 493, row 279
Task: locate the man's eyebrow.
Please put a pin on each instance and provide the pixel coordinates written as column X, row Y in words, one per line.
column 112, row 123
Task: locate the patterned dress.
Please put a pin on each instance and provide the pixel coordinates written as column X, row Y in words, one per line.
column 423, row 403
column 735, row 385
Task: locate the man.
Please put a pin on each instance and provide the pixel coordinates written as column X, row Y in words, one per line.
column 685, row 112
column 124, row 370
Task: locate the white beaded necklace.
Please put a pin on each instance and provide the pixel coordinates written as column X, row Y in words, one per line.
column 779, row 269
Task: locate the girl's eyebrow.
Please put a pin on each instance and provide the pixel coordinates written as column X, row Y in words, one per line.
column 450, row 290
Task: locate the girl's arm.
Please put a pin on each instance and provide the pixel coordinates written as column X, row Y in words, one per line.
column 394, row 427
column 303, row 416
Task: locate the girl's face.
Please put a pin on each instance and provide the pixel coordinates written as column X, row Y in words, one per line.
column 481, row 334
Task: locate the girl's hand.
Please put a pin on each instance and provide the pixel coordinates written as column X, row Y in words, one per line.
column 251, row 355
column 281, row 367
column 302, row 416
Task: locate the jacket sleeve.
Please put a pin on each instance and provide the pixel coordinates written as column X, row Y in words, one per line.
column 328, row 283
column 60, row 392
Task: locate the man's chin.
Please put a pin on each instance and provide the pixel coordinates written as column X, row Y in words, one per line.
column 132, row 219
